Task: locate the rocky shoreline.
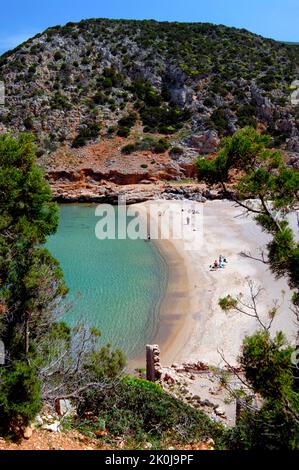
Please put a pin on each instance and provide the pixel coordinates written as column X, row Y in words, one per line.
column 108, row 193
column 209, row 389
column 91, row 185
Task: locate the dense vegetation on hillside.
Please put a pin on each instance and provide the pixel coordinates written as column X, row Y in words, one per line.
column 72, row 83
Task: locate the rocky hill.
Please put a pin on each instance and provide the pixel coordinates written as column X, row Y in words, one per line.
column 117, row 93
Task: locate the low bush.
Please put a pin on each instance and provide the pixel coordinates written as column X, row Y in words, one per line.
column 125, row 124
column 176, row 151
column 128, row 121
column 219, row 120
column 99, row 98
column 140, row 410
column 127, row 149
column 107, row 83
column 247, row 116
column 147, row 143
column 145, row 93
column 19, row 393
column 28, row 123
column 164, row 119
column 60, row 101
column 123, row 132
column 58, row 56
column 89, row 131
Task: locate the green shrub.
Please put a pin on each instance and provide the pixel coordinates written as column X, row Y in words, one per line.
column 169, row 129
column 127, row 149
column 110, row 78
column 208, row 102
column 125, row 124
column 219, row 120
column 147, row 143
column 145, row 93
column 58, row 56
column 218, row 87
column 141, row 410
column 123, row 132
column 99, row 98
column 28, row 123
column 111, row 130
column 246, row 116
column 176, row 151
column 90, row 131
column 164, row 119
column 128, row 121
column 20, row 396
column 32, row 69
column 107, row 83
column 60, row 101
column 161, row 146
column 79, row 141
column 35, row 48
column 148, row 130
column 268, row 368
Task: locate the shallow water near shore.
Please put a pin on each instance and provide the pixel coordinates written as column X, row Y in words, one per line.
column 115, row 285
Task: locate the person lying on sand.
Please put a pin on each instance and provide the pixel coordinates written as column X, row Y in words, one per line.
column 220, row 264
column 222, row 259
column 214, row 265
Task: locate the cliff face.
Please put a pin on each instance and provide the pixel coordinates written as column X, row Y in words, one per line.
column 169, row 90
column 104, row 161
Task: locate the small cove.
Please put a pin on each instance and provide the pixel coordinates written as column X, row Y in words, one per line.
column 115, row 285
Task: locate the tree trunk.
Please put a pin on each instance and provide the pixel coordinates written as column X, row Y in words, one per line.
column 27, row 318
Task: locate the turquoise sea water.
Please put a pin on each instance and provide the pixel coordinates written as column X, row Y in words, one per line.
column 115, row 285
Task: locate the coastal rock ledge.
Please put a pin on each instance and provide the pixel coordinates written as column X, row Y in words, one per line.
column 109, row 193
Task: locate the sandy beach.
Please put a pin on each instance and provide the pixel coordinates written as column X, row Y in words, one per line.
column 192, row 325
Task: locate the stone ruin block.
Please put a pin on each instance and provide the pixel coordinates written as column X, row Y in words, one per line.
column 153, row 364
